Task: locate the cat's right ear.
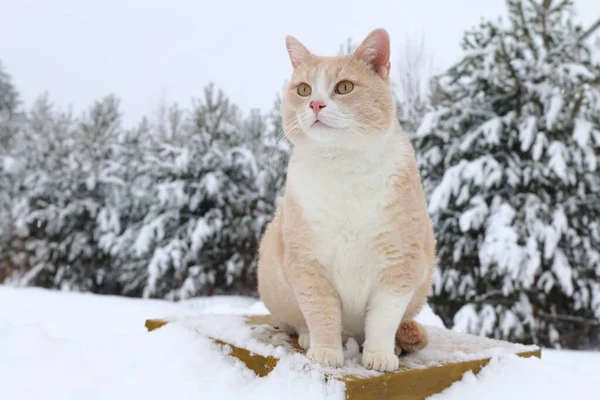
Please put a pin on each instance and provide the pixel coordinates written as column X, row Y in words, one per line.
column 375, row 50
column 299, row 54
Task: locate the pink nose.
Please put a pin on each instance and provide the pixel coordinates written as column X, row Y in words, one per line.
column 317, row 105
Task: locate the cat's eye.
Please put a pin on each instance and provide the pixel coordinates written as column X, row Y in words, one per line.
column 304, row 89
column 344, row 87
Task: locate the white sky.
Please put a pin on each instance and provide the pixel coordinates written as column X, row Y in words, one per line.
column 81, row 50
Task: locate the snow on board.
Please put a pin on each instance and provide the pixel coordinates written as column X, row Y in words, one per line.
column 262, row 346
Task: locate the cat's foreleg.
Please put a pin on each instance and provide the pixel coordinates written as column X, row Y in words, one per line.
column 388, row 303
column 384, row 314
column 321, row 306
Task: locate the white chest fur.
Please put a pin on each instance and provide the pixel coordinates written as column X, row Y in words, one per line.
column 343, row 196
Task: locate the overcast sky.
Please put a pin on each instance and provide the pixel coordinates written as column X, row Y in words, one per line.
column 81, row 50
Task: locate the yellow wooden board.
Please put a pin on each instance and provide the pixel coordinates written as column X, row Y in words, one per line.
column 421, row 374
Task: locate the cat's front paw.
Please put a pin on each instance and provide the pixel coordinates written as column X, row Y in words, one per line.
column 304, row 340
column 325, row 356
column 380, row 361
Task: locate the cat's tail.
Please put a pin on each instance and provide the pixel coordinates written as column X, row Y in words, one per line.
column 411, row 336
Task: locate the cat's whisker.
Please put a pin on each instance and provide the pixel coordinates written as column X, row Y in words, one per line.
column 280, row 137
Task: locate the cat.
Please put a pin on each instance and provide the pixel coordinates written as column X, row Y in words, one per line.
column 350, row 251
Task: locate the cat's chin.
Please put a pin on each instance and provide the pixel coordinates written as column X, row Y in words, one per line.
column 322, row 133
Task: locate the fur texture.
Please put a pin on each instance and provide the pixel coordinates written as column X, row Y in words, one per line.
column 350, row 250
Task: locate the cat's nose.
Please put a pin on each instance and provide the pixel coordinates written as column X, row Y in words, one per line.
column 316, row 105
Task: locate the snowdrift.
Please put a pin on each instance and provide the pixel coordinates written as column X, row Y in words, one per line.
column 257, row 342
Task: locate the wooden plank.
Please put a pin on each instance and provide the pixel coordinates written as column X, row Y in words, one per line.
column 416, row 384
column 409, row 383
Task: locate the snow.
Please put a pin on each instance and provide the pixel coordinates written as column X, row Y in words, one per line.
column 474, row 217
column 582, row 131
column 557, row 162
column 76, row 346
column 563, row 375
column 527, row 131
column 556, row 103
column 57, row 345
column 538, row 147
column 444, row 347
column 560, row 267
column 500, row 246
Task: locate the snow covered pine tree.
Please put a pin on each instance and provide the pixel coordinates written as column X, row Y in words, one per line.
column 510, row 157
column 9, row 97
column 9, row 101
column 61, row 187
column 169, row 210
column 199, row 207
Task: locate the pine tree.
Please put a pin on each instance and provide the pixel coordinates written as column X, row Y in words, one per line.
column 9, row 122
column 509, row 158
column 62, row 189
column 198, row 206
column 128, row 202
column 9, row 97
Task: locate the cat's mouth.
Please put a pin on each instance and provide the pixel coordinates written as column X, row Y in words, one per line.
column 320, row 123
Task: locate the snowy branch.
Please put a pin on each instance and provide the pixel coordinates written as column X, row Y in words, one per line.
column 529, row 37
column 570, row 318
column 514, row 74
column 590, row 30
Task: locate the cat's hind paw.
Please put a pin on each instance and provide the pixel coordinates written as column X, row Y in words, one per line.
column 380, row 361
column 304, row 340
column 327, row 357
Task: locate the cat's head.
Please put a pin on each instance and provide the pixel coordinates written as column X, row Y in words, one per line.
column 340, row 101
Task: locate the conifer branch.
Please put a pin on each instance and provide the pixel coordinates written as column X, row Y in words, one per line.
column 569, row 318
column 590, row 30
column 559, row 6
column 528, row 37
column 486, row 296
column 577, row 105
column 514, row 74
column 544, row 16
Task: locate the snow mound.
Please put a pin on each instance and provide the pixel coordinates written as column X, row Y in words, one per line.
column 512, row 377
column 171, row 363
column 57, row 345
column 262, row 337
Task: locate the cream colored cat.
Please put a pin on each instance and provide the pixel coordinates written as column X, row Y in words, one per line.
column 350, row 251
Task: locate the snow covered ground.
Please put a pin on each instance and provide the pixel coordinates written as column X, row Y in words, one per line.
column 82, row 346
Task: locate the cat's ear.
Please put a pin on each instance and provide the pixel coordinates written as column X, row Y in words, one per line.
column 299, row 54
column 375, row 50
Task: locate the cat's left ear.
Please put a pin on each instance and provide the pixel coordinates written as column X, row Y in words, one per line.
column 375, row 50
column 299, row 54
